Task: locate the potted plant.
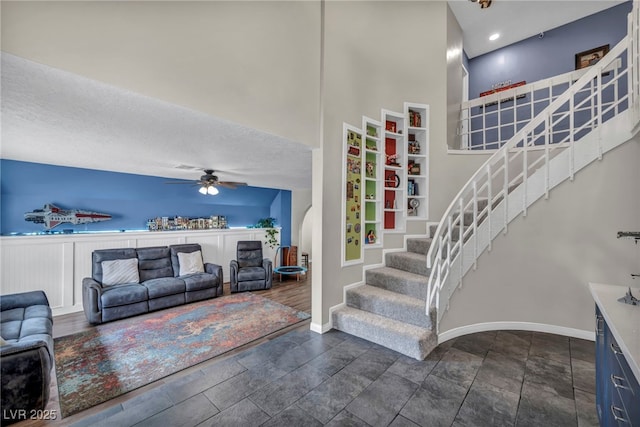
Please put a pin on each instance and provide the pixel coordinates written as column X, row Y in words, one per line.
column 270, row 231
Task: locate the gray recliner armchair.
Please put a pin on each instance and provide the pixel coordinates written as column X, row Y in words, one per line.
column 250, row 271
column 26, row 354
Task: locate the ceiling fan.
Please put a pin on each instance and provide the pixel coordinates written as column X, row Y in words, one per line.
column 208, row 183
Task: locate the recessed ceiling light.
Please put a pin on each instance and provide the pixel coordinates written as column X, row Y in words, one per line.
column 494, row 36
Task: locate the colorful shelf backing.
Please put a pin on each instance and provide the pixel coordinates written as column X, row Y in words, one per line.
column 353, row 200
column 385, row 177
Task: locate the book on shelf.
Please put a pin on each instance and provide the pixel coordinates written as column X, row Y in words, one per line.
column 415, row 119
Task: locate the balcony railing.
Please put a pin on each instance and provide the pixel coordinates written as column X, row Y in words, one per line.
column 488, row 122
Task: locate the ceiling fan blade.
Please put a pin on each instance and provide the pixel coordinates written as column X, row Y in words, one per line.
column 232, row 185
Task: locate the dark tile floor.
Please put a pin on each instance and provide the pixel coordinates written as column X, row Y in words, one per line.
column 305, row 379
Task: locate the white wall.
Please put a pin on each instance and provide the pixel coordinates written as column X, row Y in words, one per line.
column 255, row 63
column 377, row 55
column 538, row 273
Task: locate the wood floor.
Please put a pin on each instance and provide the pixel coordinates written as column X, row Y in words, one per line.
column 289, row 291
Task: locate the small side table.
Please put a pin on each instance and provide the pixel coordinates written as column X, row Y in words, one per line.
column 291, row 269
column 305, row 259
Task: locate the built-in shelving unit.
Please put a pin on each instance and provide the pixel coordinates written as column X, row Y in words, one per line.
column 352, row 195
column 385, row 177
column 373, row 151
column 394, row 170
column 417, row 135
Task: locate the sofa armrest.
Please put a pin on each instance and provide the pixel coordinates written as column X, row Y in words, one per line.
column 23, row 300
column 268, row 266
column 216, row 270
column 91, row 300
column 26, row 380
column 26, row 345
column 233, row 272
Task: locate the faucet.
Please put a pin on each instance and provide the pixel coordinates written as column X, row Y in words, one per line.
column 630, row 234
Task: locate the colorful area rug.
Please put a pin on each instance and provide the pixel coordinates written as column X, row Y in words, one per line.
column 115, row 358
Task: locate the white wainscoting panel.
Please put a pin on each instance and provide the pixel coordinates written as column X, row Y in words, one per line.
column 57, row 263
column 27, row 266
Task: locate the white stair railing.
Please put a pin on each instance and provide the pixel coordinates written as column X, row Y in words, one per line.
column 488, row 122
column 482, row 209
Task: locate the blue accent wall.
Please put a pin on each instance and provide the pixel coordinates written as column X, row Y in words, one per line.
column 540, row 58
column 130, row 199
column 281, row 210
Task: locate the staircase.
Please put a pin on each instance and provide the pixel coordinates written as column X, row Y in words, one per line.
column 389, row 308
column 593, row 116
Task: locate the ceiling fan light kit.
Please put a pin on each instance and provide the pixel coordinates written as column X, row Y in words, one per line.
column 209, row 182
column 210, row 190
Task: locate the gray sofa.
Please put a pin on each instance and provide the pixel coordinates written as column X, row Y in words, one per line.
column 26, row 355
column 115, row 291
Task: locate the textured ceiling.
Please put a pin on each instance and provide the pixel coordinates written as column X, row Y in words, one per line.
column 55, row 117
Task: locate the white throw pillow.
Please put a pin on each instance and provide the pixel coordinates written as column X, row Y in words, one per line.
column 2, row 341
column 120, row 271
column 190, row 262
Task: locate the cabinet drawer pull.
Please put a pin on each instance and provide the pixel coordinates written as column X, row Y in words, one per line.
column 620, row 411
column 618, row 382
column 615, row 349
column 599, row 324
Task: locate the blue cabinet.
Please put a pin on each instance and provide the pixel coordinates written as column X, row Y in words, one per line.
column 617, row 389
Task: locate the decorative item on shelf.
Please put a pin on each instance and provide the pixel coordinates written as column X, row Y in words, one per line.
column 412, row 209
column 354, row 165
column 354, row 151
column 390, row 126
column 270, row 231
column 371, row 169
column 414, row 147
column 354, row 139
column 52, row 216
column 370, row 196
column 371, row 237
column 392, row 160
column 413, row 168
column 372, row 131
column 372, row 145
column 412, row 188
column 415, row 119
column 164, row 223
column 392, row 181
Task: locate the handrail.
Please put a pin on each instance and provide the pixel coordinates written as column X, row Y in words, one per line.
column 582, row 108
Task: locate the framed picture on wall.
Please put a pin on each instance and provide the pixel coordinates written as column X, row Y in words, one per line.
column 591, row 56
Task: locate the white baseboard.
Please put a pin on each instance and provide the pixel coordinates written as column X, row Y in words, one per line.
column 519, row 326
column 320, row 329
column 60, row 311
